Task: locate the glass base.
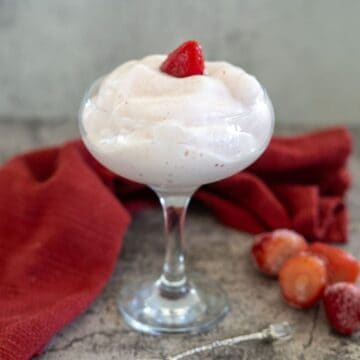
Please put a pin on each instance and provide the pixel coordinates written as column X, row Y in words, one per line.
column 148, row 307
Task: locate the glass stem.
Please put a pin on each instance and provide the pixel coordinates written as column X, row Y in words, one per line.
column 173, row 278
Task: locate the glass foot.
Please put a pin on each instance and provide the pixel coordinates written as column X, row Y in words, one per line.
column 148, row 307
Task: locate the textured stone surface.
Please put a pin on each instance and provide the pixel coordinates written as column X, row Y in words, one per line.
column 304, row 52
column 220, row 253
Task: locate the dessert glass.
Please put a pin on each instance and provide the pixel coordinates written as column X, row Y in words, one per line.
column 178, row 301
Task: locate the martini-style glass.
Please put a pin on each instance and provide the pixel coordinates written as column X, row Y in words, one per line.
column 177, row 300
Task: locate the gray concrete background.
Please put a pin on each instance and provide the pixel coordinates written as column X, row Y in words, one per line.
column 306, row 52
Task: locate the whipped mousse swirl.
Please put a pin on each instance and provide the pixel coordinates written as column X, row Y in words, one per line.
column 176, row 133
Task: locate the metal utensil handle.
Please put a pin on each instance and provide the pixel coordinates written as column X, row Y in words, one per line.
column 281, row 331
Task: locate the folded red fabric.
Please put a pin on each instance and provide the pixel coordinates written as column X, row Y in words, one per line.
column 298, row 183
column 63, row 216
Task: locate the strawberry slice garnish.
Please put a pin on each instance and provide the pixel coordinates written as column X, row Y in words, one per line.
column 342, row 307
column 302, row 280
column 341, row 265
column 270, row 250
column 186, row 60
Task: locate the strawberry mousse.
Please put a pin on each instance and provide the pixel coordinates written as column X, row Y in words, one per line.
column 171, row 125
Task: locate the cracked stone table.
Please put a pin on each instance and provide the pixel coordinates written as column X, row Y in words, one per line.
column 222, row 253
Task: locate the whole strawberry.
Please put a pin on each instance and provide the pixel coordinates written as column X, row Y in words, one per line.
column 270, row 250
column 342, row 307
column 186, row 60
column 341, row 265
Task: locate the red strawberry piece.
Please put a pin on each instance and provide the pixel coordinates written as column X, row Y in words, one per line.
column 342, row 307
column 303, row 280
column 186, row 60
column 341, row 265
column 270, row 250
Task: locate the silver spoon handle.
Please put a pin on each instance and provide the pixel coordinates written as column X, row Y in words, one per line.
column 281, row 331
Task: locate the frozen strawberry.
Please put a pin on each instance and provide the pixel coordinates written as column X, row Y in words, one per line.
column 186, row 60
column 270, row 250
column 342, row 307
column 341, row 265
column 303, row 280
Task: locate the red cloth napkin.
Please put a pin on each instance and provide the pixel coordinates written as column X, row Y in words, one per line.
column 61, row 225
